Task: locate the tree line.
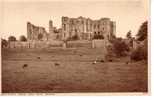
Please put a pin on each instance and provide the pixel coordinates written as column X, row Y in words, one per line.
column 4, row 42
column 120, row 48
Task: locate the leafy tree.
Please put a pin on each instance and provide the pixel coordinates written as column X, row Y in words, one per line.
column 143, row 31
column 141, row 53
column 23, row 38
column 12, row 38
column 4, row 43
column 129, row 35
column 120, row 47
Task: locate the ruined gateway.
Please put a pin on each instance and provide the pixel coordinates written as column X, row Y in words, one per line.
column 83, row 28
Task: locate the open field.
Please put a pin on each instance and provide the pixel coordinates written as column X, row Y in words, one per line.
column 68, row 70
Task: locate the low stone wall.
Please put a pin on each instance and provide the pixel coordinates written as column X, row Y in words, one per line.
column 35, row 44
column 53, row 43
column 98, row 43
column 18, row 44
column 79, row 43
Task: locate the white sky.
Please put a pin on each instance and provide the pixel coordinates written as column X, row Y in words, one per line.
column 128, row 14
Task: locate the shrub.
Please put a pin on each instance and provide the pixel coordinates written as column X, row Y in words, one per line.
column 120, row 47
column 12, row 38
column 139, row 54
column 4, row 43
column 23, row 38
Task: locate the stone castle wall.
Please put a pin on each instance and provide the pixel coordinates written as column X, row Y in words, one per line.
column 35, row 32
column 85, row 28
column 35, row 44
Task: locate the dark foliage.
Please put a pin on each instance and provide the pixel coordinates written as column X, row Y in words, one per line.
column 12, row 38
column 120, row 47
column 141, row 53
column 4, row 43
column 129, row 35
column 23, row 38
column 143, row 31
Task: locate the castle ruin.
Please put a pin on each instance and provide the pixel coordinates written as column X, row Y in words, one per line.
column 81, row 27
column 36, row 32
column 86, row 29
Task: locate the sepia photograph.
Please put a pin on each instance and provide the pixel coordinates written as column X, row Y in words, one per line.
column 74, row 46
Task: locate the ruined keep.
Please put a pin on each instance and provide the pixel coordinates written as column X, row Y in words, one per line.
column 86, row 28
column 36, row 32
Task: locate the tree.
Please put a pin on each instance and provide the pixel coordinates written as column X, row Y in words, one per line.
column 143, row 31
column 4, row 43
column 141, row 53
column 120, row 47
column 129, row 35
column 23, row 38
column 129, row 39
column 12, row 38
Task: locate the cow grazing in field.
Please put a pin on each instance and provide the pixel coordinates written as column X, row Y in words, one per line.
column 25, row 66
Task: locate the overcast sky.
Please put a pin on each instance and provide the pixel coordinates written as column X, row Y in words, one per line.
column 128, row 14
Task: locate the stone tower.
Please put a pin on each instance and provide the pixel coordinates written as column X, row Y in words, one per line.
column 50, row 27
column 113, row 28
column 29, row 31
column 65, row 28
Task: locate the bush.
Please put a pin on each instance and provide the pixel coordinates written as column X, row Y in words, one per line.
column 4, row 43
column 139, row 54
column 23, row 38
column 12, row 38
column 120, row 47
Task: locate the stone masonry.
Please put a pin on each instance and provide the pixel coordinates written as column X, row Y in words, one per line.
column 83, row 28
column 86, row 28
column 33, row 32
